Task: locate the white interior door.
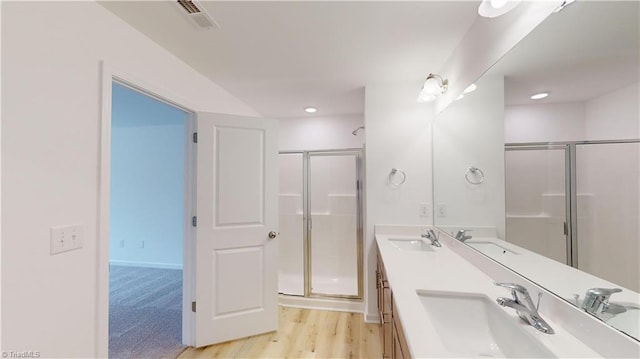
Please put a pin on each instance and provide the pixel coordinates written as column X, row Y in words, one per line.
column 237, row 209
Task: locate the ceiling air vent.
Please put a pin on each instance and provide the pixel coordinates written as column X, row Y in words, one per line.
column 197, row 16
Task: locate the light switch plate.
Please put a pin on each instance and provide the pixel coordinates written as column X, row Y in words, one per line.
column 65, row 238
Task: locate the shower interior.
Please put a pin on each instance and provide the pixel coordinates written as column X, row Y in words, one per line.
column 577, row 203
column 320, row 224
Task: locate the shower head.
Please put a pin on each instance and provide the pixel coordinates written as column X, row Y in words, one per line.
column 355, row 132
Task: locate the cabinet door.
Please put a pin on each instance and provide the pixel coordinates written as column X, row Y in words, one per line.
column 400, row 346
column 397, row 346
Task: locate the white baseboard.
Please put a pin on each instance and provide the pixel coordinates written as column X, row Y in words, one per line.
column 372, row 318
column 145, row 264
column 339, row 305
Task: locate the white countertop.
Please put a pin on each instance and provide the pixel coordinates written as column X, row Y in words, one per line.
column 545, row 270
column 444, row 270
column 561, row 279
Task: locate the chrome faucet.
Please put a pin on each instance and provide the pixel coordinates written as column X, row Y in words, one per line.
column 431, row 235
column 462, row 235
column 596, row 302
column 521, row 301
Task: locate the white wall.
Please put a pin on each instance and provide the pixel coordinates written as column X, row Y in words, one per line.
column 398, row 135
column 544, row 122
column 51, row 96
column 146, row 223
column 470, row 133
column 320, row 133
column 615, row 115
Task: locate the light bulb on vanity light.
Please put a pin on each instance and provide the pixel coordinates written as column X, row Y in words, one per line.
column 433, row 86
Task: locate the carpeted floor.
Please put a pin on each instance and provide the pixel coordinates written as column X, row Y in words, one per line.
column 145, row 313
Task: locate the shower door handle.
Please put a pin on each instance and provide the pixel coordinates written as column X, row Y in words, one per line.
column 272, row 235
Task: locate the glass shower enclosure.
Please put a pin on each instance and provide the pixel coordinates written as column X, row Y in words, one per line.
column 321, row 226
column 577, row 203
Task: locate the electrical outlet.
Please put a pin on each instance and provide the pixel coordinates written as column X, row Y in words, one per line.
column 442, row 210
column 65, row 238
column 423, row 209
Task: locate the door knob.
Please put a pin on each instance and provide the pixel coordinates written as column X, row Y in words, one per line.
column 272, row 235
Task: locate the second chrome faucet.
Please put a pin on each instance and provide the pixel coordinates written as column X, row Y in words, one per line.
column 462, row 235
column 431, row 235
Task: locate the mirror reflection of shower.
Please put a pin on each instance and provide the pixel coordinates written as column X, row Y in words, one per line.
column 355, row 132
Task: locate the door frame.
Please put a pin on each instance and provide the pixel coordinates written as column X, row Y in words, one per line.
column 109, row 75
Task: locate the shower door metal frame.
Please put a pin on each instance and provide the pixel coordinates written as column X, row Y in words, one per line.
column 307, row 222
column 571, row 183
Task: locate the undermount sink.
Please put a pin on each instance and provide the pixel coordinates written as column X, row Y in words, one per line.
column 490, row 248
column 410, row 244
column 473, row 325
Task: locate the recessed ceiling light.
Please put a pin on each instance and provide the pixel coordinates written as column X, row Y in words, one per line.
column 310, row 109
column 539, row 96
column 471, row 88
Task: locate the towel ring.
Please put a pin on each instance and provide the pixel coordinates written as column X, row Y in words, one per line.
column 476, row 172
column 392, row 174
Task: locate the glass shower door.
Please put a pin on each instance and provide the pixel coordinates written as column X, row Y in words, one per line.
column 536, row 200
column 334, row 224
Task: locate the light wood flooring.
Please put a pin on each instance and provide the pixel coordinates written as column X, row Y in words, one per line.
column 303, row 333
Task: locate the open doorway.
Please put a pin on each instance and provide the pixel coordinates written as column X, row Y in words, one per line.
column 147, row 225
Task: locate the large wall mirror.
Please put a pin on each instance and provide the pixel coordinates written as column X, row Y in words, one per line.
column 550, row 187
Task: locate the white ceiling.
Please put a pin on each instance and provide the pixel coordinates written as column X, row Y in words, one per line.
column 587, row 50
column 279, row 57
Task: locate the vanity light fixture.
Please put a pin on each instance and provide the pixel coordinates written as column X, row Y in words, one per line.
column 539, row 96
column 495, row 8
column 310, row 109
column 433, row 86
